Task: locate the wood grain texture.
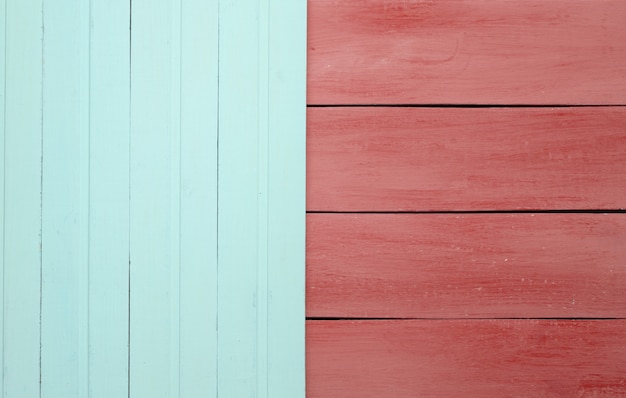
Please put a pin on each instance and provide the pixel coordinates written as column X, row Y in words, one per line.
column 469, row 358
column 466, row 265
column 425, row 159
column 460, row 51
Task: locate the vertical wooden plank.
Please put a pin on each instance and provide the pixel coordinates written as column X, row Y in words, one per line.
column 21, row 240
column 261, row 199
column 151, row 213
column 109, row 203
column 174, row 199
column 286, row 229
column 239, row 196
column 65, row 196
column 198, row 199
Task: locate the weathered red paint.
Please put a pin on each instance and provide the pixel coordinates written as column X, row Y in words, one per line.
column 432, row 159
column 466, row 265
column 466, row 358
column 467, row 52
column 451, row 267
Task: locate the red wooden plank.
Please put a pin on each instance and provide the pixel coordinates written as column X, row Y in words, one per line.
column 467, row 51
column 478, row 358
column 387, row 159
column 466, row 265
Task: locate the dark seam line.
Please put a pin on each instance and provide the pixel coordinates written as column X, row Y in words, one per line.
column 130, row 97
column 217, row 206
column 463, row 105
column 464, row 319
column 573, row 211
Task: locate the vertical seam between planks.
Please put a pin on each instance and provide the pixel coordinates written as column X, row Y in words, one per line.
column 130, row 154
column 217, row 211
column 41, row 198
column 84, row 198
column 175, row 197
column 263, row 199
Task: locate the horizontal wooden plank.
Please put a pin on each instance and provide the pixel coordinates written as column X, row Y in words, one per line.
column 477, row 358
column 428, row 159
column 466, row 265
column 467, row 51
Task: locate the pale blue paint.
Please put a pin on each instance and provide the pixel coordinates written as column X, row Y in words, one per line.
column 198, row 198
column 108, row 199
column 241, row 217
column 21, row 186
column 65, row 206
column 84, row 312
column 286, row 198
column 161, row 178
column 154, row 215
column 261, row 205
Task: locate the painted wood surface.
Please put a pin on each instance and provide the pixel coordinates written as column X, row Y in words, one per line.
column 433, row 159
column 467, row 52
column 173, row 202
column 20, row 194
column 286, row 198
column 466, row 265
column 261, row 199
column 65, row 200
column 198, row 198
column 109, row 203
column 470, row 358
column 84, row 199
column 242, row 191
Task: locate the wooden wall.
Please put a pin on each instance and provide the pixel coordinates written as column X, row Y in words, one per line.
column 466, row 179
column 127, row 233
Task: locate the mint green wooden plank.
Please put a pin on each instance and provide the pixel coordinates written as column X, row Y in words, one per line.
column 173, row 199
column 286, row 229
column 21, row 64
column 65, row 207
column 261, row 198
column 198, row 229
column 153, row 212
column 109, row 203
column 239, row 214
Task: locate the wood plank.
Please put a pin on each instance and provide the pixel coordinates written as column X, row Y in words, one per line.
column 20, row 204
column 109, row 174
column 469, row 358
column 261, row 215
column 286, row 198
column 198, row 199
column 65, row 200
column 155, row 201
column 460, row 51
column 243, row 199
column 423, row 159
column 466, row 265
